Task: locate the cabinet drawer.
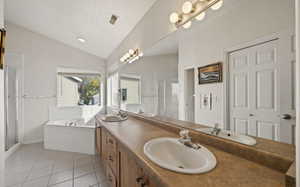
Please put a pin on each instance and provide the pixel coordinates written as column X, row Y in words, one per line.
column 112, row 182
column 111, row 160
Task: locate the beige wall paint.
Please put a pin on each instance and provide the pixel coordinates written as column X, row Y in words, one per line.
column 42, row 58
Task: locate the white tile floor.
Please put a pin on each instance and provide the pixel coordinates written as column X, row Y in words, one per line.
column 33, row 166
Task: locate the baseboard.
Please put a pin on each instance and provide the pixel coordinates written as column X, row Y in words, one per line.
column 33, row 141
column 12, row 150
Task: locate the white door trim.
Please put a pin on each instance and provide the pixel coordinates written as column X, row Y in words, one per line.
column 226, row 74
column 185, row 69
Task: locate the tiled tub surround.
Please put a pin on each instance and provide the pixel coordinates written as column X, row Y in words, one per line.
column 231, row 170
column 33, row 166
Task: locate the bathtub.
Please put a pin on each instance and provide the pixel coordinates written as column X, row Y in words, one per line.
column 70, row 135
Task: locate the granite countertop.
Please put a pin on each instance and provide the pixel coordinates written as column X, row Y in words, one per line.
column 230, row 171
column 284, row 150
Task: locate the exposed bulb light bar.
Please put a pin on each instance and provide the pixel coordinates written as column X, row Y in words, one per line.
column 193, row 10
column 131, row 56
column 217, row 6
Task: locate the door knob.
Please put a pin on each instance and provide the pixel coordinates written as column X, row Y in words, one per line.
column 286, row 117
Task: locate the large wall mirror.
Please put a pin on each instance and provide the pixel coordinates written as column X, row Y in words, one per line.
column 149, row 86
column 234, row 69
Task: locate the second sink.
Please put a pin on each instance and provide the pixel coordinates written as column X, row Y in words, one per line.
column 170, row 154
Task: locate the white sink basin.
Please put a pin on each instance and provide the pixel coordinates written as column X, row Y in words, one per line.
column 243, row 139
column 113, row 118
column 170, row 154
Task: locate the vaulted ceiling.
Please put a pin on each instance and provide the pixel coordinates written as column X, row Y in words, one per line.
column 66, row 20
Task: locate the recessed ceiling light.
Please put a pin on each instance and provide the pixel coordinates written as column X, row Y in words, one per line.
column 82, row 40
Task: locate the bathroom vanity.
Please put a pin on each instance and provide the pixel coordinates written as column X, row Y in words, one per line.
column 121, row 147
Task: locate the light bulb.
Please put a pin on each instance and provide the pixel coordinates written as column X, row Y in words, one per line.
column 187, row 25
column 122, row 59
column 218, row 5
column 131, row 51
column 201, row 16
column 81, row 40
column 141, row 54
column 174, row 17
column 187, row 7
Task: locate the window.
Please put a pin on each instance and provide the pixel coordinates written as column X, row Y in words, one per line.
column 130, row 91
column 79, row 89
column 113, row 90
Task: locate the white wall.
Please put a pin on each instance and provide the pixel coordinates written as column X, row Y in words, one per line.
column 1, row 13
column 298, row 91
column 154, row 26
column 42, row 58
column 237, row 22
column 2, row 147
column 207, row 42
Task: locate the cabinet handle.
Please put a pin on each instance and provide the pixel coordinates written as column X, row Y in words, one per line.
column 110, row 158
column 110, row 141
column 109, row 178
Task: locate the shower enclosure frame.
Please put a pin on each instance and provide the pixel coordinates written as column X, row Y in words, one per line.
column 18, row 64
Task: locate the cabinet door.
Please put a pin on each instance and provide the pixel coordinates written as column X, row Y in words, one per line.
column 111, row 179
column 103, row 144
column 130, row 173
column 98, row 140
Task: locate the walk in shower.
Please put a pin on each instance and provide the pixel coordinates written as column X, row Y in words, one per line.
column 13, row 99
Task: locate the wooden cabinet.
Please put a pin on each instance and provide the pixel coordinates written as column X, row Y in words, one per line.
column 103, row 144
column 122, row 170
column 131, row 174
column 111, row 178
column 98, row 140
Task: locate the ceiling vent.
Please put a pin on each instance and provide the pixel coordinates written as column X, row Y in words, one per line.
column 113, row 19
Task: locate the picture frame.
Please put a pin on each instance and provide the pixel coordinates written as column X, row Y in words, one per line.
column 2, row 49
column 212, row 73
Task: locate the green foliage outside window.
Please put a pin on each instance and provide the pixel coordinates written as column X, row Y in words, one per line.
column 88, row 89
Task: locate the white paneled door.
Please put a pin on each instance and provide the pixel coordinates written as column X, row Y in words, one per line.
column 262, row 90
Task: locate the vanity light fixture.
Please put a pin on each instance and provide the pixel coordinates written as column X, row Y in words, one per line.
column 193, row 10
column 131, row 56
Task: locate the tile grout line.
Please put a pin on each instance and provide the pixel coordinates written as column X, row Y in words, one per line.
column 26, row 178
column 50, row 175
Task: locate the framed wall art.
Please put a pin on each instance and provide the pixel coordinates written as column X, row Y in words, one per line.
column 212, row 73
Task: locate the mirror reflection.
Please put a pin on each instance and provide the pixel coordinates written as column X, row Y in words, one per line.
column 234, row 83
column 150, row 86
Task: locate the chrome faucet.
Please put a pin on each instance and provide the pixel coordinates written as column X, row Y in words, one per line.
column 122, row 114
column 216, row 130
column 186, row 140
